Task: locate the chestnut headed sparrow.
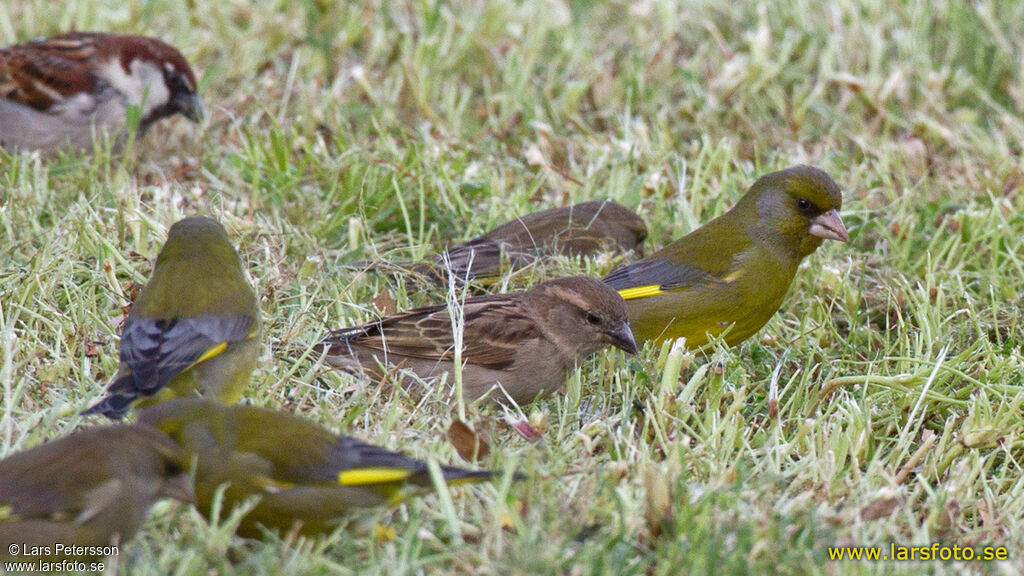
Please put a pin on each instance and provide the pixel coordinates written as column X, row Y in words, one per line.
column 63, row 90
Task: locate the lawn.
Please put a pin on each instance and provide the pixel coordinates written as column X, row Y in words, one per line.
column 881, row 406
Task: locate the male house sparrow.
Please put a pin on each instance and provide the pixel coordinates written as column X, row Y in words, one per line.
column 63, row 90
column 194, row 328
column 306, row 476
column 733, row 272
column 524, row 342
column 92, row 488
column 578, row 230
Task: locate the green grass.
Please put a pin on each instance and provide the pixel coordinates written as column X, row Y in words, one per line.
column 883, row 404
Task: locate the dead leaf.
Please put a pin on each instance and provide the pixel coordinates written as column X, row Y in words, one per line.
column 880, row 508
column 531, row 429
column 1013, row 182
column 469, row 444
column 92, row 348
column 384, row 303
column 915, row 157
column 659, row 503
column 948, row 517
column 524, row 429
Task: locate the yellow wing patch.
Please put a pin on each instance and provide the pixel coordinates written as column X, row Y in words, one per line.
column 7, row 514
column 211, row 353
column 361, row 476
column 640, row 292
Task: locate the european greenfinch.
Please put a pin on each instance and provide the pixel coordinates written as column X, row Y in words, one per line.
column 194, row 328
column 65, row 90
column 730, row 275
column 91, row 489
column 306, row 477
column 523, row 343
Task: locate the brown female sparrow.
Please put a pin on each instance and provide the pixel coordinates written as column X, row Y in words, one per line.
column 63, row 90
column 522, row 342
column 579, row 230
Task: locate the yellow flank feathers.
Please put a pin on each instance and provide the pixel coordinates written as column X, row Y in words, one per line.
column 211, row 353
column 272, row 486
column 641, row 292
column 361, row 476
column 734, row 276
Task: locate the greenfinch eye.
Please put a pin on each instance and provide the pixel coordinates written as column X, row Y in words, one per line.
column 803, row 204
column 593, row 319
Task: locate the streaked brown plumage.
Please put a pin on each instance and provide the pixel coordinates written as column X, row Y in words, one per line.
column 92, row 488
column 578, row 230
column 526, row 342
column 63, row 90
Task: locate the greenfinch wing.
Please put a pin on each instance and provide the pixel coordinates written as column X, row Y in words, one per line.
column 157, row 350
column 659, row 274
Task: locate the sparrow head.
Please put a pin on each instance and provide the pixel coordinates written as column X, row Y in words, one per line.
column 589, row 313
column 151, row 74
column 800, row 207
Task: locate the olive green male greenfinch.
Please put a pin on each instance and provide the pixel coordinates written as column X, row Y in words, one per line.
column 306, row 477
column 194, row 328
column 730, row 275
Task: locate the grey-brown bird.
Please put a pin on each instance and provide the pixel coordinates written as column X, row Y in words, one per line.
column 579, row 230
column 306, row 477
column 92, row 488
column 730, row 275
column 194, row 329
column 523, row 342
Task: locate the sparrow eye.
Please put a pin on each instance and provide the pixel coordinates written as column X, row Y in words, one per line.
column 176, row 83
column 593, row 319
column 803, row 204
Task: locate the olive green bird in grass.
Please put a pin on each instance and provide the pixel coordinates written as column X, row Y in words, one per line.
column 307, row 478
column 194, row 328
column 730, row 275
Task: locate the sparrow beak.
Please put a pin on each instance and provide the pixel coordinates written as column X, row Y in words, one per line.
column 829, row 226
column 189, row 105
column 622, row 338
column 179, row 488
